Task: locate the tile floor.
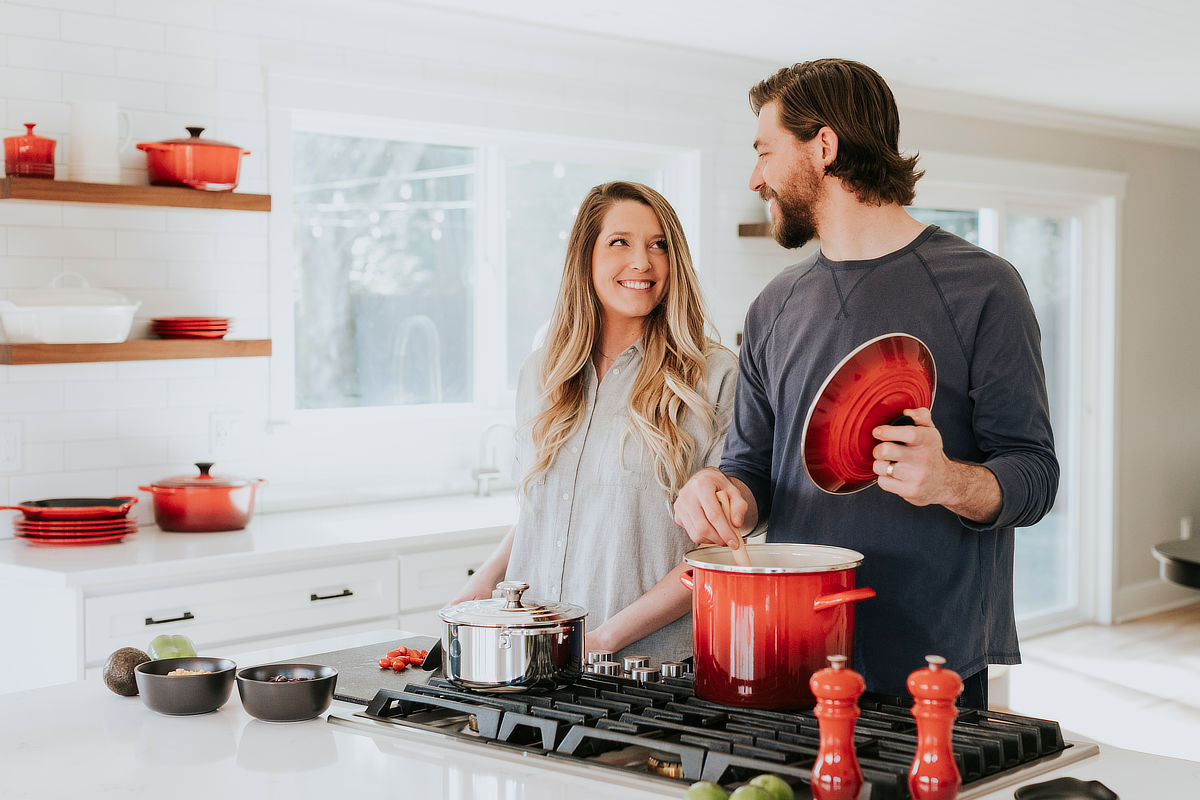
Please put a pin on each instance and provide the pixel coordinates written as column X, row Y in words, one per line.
column 1135, row 685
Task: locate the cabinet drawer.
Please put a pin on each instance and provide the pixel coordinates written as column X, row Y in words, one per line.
column 430, row 580
column 217, row 612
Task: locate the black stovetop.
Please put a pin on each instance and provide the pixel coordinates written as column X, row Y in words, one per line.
column 620, row 724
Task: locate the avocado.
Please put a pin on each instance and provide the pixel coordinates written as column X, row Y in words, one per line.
column 118, row 670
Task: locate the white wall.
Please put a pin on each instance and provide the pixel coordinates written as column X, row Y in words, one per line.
column 105, row 428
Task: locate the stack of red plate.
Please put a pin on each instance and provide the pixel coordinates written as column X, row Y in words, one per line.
column 190, row 327
column 75, row 520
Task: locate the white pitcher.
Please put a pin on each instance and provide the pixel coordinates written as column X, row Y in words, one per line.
column 95, row 145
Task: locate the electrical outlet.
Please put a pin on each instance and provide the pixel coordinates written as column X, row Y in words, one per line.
column 225, row 434
column 10, row 446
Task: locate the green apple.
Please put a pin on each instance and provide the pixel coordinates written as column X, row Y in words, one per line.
column 704, row 790
column 170, row 646
column 775, row 785
column 749, row 792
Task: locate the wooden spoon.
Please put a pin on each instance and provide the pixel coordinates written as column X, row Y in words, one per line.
column 739, row 555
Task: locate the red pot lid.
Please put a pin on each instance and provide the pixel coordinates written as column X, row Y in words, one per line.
column 203, row 480
column 870, row 387
column 195, row 139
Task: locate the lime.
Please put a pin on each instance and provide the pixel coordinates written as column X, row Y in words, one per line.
column 776, row 786
column 749, row 792
column 704, row 790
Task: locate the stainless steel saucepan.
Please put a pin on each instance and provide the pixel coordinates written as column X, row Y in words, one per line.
column 510, row 644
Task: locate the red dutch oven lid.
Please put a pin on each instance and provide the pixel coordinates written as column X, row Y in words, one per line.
column 195, row 139
column 202, row 481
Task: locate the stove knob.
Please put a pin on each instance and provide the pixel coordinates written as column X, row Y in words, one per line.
column 644, row 674
column 606, row 668
column 673, row 669
column 636, row 661
column 599, row 655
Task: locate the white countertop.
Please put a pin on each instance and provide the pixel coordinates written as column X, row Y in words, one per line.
column 80, row 740
column 273, row 539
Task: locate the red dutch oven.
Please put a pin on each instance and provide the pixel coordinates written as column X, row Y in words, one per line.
column 760, row 632
column 195, row 162
column 203, row 502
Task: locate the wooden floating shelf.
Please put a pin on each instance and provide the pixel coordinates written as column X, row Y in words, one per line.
column 133, row 350
column 17, row 188
column 754, row 229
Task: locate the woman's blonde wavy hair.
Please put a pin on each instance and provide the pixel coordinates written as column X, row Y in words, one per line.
column 675, row 344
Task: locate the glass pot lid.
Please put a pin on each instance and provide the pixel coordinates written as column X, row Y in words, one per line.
column 509, row 610
column 202, row 481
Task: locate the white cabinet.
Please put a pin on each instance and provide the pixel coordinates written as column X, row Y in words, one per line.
column 215, row 613
column 429, row 580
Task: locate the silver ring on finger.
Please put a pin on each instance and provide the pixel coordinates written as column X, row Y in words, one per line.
column 891, row 469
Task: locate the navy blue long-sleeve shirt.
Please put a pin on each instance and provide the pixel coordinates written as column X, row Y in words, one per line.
column 943, row 585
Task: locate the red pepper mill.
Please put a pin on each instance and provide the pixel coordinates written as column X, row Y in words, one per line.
column 836, row 774
column 934, row 775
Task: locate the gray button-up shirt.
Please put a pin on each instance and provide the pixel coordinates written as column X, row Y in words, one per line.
column 597, row 529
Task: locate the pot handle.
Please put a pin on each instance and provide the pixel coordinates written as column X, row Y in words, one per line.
column 687, row 580
column 158, row 489
column 828, row 601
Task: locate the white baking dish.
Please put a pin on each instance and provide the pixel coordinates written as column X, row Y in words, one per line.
column 66, row 315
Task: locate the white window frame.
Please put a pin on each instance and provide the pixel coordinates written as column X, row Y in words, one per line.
column 1000, row 187
column 679, row 165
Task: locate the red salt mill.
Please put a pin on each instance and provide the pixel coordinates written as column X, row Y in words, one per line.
column 836, row 774
column 934, row 775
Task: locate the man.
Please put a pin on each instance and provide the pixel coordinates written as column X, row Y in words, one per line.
column 937, row 529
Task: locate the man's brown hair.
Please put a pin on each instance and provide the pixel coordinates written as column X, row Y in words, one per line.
column 856, row 103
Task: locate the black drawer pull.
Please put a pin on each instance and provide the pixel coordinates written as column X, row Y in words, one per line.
column 186, row 615
column 343, row 593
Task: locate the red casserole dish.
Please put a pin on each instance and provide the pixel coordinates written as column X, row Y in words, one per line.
column 75, row 508
column 194, row 162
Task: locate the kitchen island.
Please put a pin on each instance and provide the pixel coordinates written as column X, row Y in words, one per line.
column 80, row 740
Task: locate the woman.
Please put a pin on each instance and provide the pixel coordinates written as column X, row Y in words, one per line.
column 627, row 399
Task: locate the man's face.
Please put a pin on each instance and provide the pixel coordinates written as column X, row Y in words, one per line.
column 788, row 177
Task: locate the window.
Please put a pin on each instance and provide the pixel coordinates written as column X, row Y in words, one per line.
column 426, row 267
column 1057, row 227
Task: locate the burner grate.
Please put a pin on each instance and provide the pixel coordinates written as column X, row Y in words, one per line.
column 664, row 729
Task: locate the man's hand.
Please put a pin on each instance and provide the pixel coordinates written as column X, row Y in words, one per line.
column 911, row 464
column 699, row 512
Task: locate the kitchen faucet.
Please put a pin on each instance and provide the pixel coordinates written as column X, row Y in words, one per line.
column 488, row 469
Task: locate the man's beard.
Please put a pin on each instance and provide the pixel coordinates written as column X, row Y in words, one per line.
column 793, row 223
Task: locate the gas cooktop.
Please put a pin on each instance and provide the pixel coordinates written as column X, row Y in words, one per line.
column 661, row 732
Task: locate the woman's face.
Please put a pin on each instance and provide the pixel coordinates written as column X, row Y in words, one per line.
column 629, row 262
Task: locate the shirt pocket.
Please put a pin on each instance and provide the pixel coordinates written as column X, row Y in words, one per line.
column 622, row 459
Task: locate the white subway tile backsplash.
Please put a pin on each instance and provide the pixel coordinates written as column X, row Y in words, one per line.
column 50, row 116
column 165, row 370
column 116, row 395
column 87, row 483
column 176, row 246
column 42, row 457
column 117, row 453
column 23, row 20
column 193, row 12
column 127, row 93
column 67, row 426
column 239, row 275
column 89, row 6
column 162, row 422
column 15, row 212
column 230, row 42
column 167, row 68
column 243, row 248
column 183, row 452
column 142, row 450
column 24, row 397
column 109, row 30
column 133, row 276
column 177, row 303
column 114, row 217
column 29, row 241
column 31, row 84
column 69, row 373
column 216, row 221
column 88, row 59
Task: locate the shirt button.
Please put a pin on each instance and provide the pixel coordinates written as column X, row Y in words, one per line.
column 574, row 449
column 616, row 370
column 558, row 543
column 566, row 496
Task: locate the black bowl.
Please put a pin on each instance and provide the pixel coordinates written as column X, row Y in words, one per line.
column 286, row 701
column 185, row 694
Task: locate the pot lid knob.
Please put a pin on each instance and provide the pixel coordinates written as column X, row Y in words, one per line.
column 512, row 591
column 935, row 683
column 204, row 467
column 194, row 131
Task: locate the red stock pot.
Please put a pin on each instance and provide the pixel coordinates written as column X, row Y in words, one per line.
column 203, row 502
column 760, row 632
